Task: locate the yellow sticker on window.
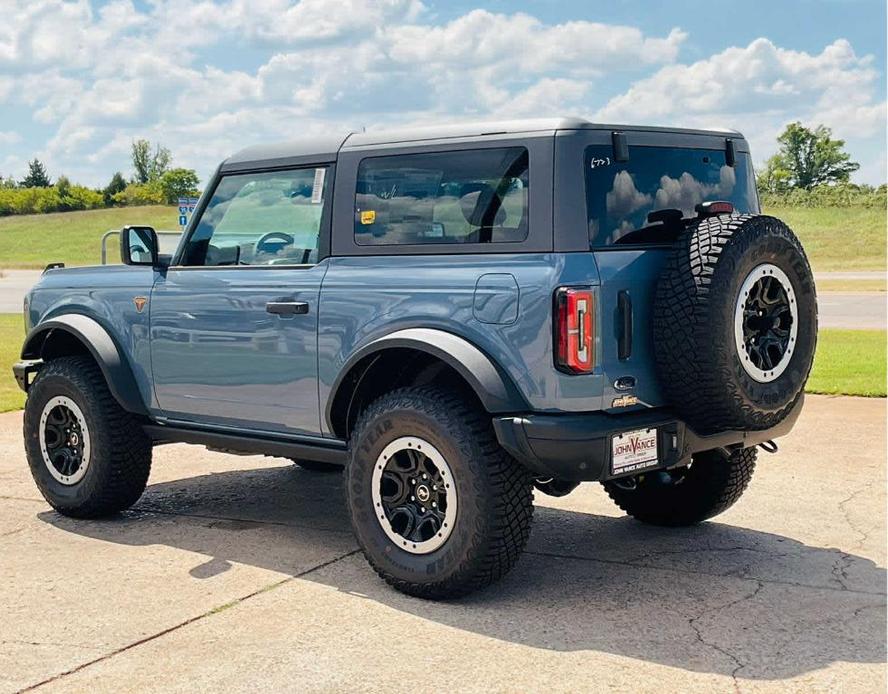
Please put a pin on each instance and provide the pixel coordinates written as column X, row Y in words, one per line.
column 368, row 216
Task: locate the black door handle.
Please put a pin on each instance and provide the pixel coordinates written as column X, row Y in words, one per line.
column 624, row 343
column 287, row 308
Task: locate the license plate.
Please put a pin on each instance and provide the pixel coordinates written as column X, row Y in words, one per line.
column 633, row 450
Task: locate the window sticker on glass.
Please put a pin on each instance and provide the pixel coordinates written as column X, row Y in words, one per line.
column 317, row 189
column 595, row 162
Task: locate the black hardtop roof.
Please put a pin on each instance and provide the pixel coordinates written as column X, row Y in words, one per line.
column 325, row 147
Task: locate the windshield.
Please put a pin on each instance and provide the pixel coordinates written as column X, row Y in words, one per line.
column 620, row 195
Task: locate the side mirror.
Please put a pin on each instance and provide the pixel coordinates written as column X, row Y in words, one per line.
column 138, row 246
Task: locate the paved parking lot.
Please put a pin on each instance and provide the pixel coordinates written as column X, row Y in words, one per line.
column 240, row 574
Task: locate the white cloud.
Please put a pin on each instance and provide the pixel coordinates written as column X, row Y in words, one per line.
column 624, row 198
column 686, row 192
column 171, row 70
column 9, row 137
column 758, row 89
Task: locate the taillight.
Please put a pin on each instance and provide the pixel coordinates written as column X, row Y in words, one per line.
column 574, row 330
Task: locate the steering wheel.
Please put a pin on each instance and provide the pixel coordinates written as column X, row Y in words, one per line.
column 273, row 241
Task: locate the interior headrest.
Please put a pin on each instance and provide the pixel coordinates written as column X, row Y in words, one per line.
column 481, row 206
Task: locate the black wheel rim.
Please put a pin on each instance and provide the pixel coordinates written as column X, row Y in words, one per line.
column 414, row 495
column 64, row 440
column 766, row 323
column 767, row 320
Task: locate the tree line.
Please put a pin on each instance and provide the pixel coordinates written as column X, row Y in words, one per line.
column 809, row 169
column 154, row 181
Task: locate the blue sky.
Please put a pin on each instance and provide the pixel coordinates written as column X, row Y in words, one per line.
column 79, row 80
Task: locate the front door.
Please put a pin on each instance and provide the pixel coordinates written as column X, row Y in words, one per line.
column 234, row 320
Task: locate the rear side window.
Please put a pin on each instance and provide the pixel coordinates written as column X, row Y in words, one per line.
column 467, row 196
column 621, row 195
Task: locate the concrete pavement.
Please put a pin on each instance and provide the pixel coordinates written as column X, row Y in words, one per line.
column 240, row 574
column 855, row 310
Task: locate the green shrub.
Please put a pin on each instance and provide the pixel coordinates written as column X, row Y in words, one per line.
column 840, row 195
column 56, row 199
column 83, row 198
column 150, row 193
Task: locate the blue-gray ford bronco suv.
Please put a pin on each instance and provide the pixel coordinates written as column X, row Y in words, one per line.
column 455, row 315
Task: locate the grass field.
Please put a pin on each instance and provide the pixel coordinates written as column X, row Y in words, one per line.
column 838, row 238
column 848, row 362
column 74, row 238
column 12, row 330
column 831, row 285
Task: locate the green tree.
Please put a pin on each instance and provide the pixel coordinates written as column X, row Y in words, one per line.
column 149, row 165
column 773, row 178
column 177, row 183
column 808, row 158
column 117, row 185
column 63, row 185
column 36, row 177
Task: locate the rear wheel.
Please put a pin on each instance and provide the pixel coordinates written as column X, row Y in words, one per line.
column 712, row 483
column 438, row 508
column 88, row 456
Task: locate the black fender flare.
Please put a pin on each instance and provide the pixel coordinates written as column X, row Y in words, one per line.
column 494, row 389
column 117, row 372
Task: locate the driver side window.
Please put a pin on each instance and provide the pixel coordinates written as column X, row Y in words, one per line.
column 269, row 218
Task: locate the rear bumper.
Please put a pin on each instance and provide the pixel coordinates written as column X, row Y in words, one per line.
column 578, row 447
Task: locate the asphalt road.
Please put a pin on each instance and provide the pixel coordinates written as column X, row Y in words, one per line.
column 837, row 309
column 239, row 574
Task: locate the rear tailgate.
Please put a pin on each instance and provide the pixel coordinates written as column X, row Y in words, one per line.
column 628, row 281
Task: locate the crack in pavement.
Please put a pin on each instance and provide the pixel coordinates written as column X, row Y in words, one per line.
column 846, row 559
column 692, row 622
column 864, row 536
column 190, row 620
column 693, row 572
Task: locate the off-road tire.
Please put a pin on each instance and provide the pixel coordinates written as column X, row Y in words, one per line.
column 317, row 466
column 697, row 358
column 711, row 485
column 120, row 452
column 495, row 494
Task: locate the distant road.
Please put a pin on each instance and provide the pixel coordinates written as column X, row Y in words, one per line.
column 837, row 309
column 14, row 284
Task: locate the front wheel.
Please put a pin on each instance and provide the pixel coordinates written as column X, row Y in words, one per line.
column 88, row 456
column 711, row 484
column 438, row 508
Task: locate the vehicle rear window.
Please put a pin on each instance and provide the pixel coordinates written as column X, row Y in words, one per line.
column 466, row 196
column 621, row 195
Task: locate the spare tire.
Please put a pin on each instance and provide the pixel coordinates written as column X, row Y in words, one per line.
column 735, row 323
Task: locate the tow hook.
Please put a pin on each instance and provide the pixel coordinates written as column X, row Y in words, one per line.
column 768, row 446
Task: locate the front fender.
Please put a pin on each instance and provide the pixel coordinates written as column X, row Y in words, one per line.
column 494, row 389
column 117, row 372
